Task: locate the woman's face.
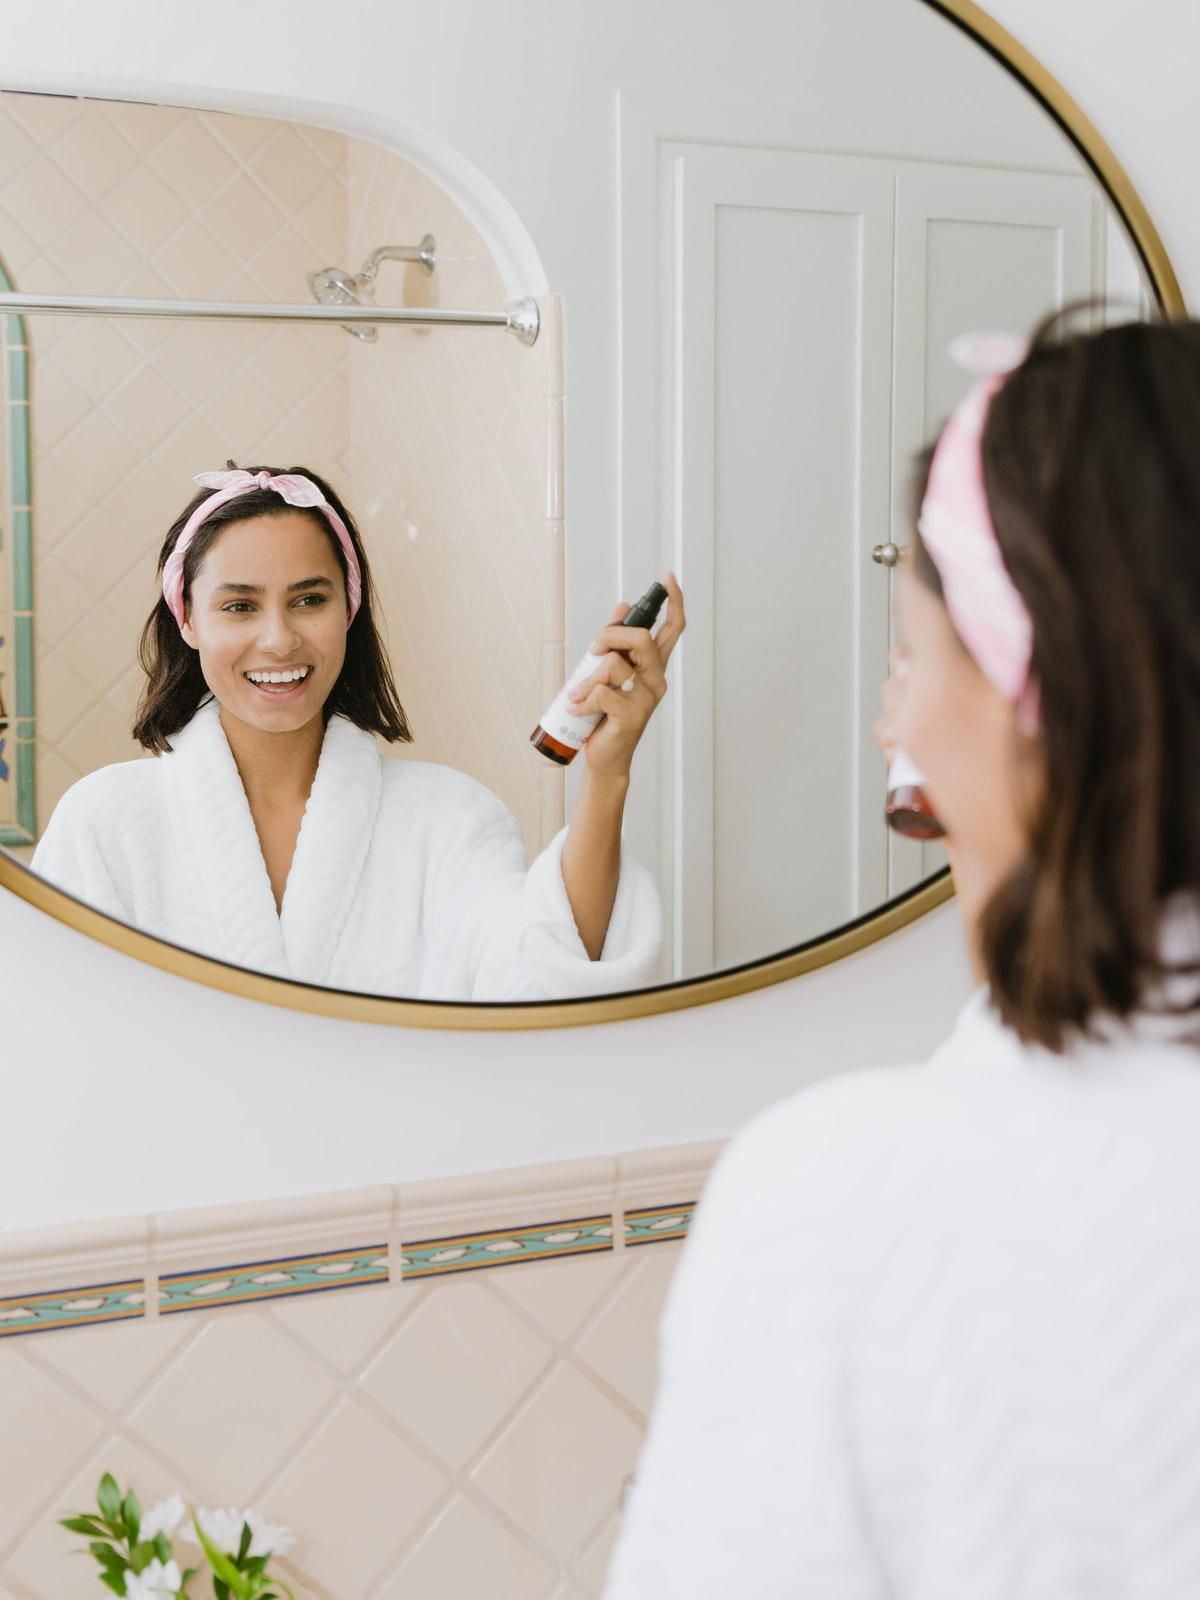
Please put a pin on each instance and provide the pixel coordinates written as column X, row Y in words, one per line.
column 983, row 776
column 269, row 600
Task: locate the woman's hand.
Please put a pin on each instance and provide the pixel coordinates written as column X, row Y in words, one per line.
column 627, row 686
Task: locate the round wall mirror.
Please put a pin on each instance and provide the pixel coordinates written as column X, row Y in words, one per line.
column 804, row 231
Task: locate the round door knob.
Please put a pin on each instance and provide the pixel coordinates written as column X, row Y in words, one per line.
column 886, row 555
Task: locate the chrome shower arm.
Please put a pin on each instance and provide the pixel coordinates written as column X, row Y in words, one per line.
column 425, row 253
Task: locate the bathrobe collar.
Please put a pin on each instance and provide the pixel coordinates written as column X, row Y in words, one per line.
column 211, row 820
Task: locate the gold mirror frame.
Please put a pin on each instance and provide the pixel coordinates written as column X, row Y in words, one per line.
column 468, row 1015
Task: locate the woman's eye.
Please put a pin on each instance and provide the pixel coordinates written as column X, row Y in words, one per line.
column 237, row 605
column 312, row 600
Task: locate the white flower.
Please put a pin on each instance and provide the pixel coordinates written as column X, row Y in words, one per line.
column 269, row 1538
column 165, row 1517
column 155, row 1583
column 224, row 1529
column 221, row 1528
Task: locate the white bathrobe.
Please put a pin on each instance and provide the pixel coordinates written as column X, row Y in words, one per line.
column 408, row 878
column 936, row 1336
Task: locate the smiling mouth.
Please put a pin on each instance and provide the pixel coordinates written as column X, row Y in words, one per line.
column 284, row 677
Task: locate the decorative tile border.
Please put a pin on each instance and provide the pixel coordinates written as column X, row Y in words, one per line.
column 270, row 1250
column 18, row 815
column 72, row 1308
column 470, row 1252
column 653, row 1224
column 251, row 1281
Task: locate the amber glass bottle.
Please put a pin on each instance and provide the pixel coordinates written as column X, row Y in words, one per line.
column 562, row 732
column 908, row 810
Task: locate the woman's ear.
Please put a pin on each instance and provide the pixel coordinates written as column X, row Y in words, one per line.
column 188, row 632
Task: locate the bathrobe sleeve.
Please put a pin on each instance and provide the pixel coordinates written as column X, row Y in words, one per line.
column 81, row 850
column 748, row 1483
column 510, row 929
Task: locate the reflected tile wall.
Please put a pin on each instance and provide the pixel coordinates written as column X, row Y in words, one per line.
column 110, row 198
column 440, row 438
column 449, row 441
column 455, row 1438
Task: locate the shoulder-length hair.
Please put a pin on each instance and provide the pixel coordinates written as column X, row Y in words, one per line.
column 1092, row 473
column 365, row 691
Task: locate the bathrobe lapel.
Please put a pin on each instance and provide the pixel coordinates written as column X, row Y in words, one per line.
column 210, row 818
column 335, row 837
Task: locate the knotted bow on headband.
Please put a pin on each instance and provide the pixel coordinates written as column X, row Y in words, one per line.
column 955, row 524
column 290, row 486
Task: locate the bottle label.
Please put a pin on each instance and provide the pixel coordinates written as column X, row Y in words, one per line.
column 562, row 721
column 904, row 773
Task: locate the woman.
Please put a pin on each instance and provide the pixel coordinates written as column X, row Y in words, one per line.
column 937, row 1331
column 270, row 833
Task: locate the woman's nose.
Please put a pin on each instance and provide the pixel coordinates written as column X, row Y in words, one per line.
column 277, row 630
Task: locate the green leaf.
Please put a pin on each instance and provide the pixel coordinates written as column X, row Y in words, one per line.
column 108, row 1555
column 141, row 1555
column 108, row 1498
column 256, row 1564
column 223, row 1567
column 162, row 1547
column 131, row 1516
column 114, row 1580
column 87, row 1525
column 221, row 1590
column 244, row 1545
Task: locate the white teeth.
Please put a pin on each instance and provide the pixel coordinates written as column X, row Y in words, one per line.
column 293, row 675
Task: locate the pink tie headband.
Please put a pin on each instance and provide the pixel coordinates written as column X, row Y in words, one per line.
column 290, row 486
column 956, row 526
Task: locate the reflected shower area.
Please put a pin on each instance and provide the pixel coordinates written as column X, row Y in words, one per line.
column 227, row 244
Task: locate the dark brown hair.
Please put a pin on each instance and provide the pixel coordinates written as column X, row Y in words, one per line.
column 1091, row 466
column 364, row 692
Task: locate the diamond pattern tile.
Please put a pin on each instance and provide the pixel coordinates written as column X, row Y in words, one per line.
column 451, row 496
column 468, row 1553
column 241, row 1399
column 37, row 1418
column 613, row 1345
column 464, row 1341
column 538, row 1474
column 383, row 1489
column 441, row 1441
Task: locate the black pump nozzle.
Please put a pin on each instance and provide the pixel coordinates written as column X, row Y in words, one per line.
column 644, row 613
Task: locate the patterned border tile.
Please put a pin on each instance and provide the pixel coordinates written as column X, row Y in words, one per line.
column 654, row 1223
column 72, row 1308
column 470, row 1252
column 250, row 1281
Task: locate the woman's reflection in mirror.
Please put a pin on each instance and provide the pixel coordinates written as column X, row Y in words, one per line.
column 269, row 831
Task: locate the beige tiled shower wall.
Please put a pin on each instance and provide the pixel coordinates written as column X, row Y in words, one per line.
column 114, row 199
column 438, row 440
column 463, row 1438
column 447, row 456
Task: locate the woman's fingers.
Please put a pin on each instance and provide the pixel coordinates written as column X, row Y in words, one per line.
column 675, row 622
column 632, row 709
column 615, row 671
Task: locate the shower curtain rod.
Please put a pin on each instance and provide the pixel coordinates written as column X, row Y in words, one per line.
column 520, row 318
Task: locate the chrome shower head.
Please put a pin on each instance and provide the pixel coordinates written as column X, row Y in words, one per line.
column 334, row 287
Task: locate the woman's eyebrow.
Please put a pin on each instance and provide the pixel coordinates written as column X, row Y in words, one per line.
column 256, row 588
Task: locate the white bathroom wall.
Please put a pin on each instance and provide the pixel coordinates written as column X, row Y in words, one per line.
column 231, row 1100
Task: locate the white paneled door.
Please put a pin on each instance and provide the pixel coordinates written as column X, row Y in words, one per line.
column 804, row 305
